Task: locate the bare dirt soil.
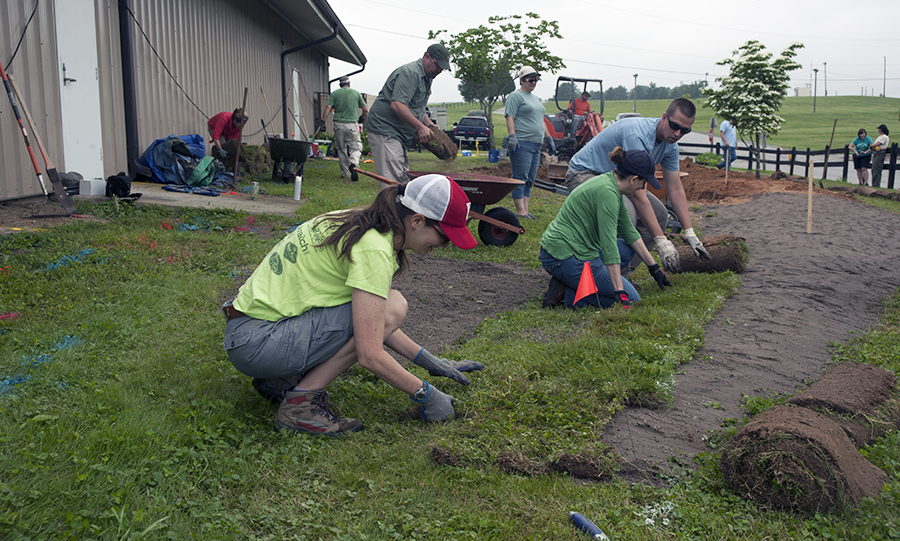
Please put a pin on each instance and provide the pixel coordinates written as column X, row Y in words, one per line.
column 799, row 292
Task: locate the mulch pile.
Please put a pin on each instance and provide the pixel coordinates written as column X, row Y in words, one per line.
column 804, row 459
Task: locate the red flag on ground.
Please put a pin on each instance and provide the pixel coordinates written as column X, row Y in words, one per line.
column 586, row 285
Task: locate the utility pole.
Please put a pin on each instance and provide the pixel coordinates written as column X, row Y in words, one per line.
column 825, row 74
column 635, row 93
column 815, row 85
column 884, row 82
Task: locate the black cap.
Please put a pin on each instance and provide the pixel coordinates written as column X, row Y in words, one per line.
column 638, row 162
column 440, row 55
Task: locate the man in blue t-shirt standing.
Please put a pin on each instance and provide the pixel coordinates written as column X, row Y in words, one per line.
column 729, row 144
column 658, row 137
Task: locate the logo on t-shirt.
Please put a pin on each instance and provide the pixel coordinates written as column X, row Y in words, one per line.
column 275, row 264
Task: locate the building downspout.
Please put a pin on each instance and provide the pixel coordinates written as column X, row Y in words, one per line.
column 284, row 54
column 132, row 148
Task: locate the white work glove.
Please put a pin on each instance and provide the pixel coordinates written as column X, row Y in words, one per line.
column 695, row 244
column 512, row 142
column 667, row 254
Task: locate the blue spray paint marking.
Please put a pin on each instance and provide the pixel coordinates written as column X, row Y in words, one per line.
column 9, row 384
column 65, row 260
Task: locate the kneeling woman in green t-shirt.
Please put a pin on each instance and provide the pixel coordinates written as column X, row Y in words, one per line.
column 593, row 225
column 321, row 301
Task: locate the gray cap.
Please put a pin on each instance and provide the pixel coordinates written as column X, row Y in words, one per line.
column 344, row 80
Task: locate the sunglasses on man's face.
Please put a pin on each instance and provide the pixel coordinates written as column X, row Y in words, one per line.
column 678, row 127
column 531, row 80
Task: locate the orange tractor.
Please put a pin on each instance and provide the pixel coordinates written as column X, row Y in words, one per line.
column 571, row 132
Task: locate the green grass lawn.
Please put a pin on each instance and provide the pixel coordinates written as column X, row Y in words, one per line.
column 121, row 417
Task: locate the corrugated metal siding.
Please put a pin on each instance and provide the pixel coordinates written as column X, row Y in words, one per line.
column 214, row 50
column 35, row 72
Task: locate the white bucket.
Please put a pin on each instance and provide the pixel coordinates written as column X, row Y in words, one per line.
column 298, row 181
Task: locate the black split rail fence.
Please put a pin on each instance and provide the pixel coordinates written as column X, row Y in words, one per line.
column 792, row 161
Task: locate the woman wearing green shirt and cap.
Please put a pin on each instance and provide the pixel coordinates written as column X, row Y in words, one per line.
column 593, row 226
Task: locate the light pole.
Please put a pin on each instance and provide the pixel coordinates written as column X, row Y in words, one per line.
column 884, row 81
column 825, row 75
column 634, row 110
column 815, row 85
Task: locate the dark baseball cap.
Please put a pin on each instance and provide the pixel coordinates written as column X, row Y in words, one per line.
column 439, row 53
column 638, row 162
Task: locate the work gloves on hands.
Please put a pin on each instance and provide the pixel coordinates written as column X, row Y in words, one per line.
column 511, row 142
column 695, row 244
column 551, row 146
column 446, row 368
column 621, row 297
column 667, row 254
column 320, row 125
column 436, row 406
column 223, row 153
column 660, row 276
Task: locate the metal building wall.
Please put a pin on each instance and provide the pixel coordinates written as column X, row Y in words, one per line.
column 34, row 70
column 214, row 50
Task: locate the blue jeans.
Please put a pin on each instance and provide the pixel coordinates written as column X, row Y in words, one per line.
column 568, row 271
column 525, row 161
column 730, row 154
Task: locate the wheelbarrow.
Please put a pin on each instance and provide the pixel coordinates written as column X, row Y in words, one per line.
column 288, row 154
column 498, row 226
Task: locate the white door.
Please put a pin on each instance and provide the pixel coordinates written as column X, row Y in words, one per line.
column 79, row 87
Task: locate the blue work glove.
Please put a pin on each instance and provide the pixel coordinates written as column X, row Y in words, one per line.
column 660, row 276
column 695, row 244
column 551, row 146
column 512, row 142
column 223, row 153
column 446, row 368
column 436, row 406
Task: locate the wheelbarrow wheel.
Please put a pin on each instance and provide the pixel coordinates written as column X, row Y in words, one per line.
column 674, row 225
column 497, row 236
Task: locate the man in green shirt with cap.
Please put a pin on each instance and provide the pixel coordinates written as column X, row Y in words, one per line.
column 398, row 118
column 346, row 103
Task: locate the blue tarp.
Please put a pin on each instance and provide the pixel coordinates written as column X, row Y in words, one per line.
column 164, row 167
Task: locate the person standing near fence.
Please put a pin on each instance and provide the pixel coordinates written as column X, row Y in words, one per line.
column 728, row 133
column 862, row 156
column 346, row 104
column 880, row 145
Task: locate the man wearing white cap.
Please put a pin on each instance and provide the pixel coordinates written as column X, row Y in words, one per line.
column 346, row 104
column 321, row 301
column 397, row 119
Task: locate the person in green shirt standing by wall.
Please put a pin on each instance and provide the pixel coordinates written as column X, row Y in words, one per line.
column 346, row 104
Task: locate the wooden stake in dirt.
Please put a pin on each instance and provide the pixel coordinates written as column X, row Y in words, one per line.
column 809, row 204
column 237, row 153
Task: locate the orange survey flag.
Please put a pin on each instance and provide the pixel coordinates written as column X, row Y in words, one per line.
column 586, row 285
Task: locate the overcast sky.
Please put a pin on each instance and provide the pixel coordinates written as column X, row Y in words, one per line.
column 665, row 42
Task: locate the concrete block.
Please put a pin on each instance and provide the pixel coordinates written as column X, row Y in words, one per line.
column 91, row 187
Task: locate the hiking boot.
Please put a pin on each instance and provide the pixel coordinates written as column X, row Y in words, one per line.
column 309, row 412
column 354, row 176
column 555, row 294
column 273, row 389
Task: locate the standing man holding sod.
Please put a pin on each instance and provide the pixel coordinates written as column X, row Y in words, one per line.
column 398, row 118
column 729, row 145
column 346, row 104
column 659, row 138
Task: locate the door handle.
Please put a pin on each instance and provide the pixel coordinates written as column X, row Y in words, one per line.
column 67, row 79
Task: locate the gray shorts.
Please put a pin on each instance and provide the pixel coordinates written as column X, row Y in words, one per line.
column 290, row 346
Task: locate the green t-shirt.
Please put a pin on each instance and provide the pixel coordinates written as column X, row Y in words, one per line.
column 297, row 276
column 589, row 221
column 527, row 112
column 408, row 85
column 346, row 103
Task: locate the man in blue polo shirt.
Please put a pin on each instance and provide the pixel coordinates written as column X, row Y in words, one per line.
column 659, row 138
column 729, row 144
column 398, row 118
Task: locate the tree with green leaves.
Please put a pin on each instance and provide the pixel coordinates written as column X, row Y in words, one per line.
column 488, row 56
column 751, row 94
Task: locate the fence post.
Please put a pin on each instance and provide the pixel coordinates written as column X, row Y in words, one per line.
column 846, row 160
column 827, row 157
column 793, row 159
column 893, row 164
column 778, row 159
column 808, row 158
column 718, row 149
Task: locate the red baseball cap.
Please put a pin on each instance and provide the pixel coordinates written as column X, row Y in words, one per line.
column 439, row 198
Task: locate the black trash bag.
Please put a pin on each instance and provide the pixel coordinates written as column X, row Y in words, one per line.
column 119, row 186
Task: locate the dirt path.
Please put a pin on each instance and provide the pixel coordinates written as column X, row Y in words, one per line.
column 799, row 292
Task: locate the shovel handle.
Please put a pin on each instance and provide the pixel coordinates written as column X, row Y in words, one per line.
column 379, row 178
